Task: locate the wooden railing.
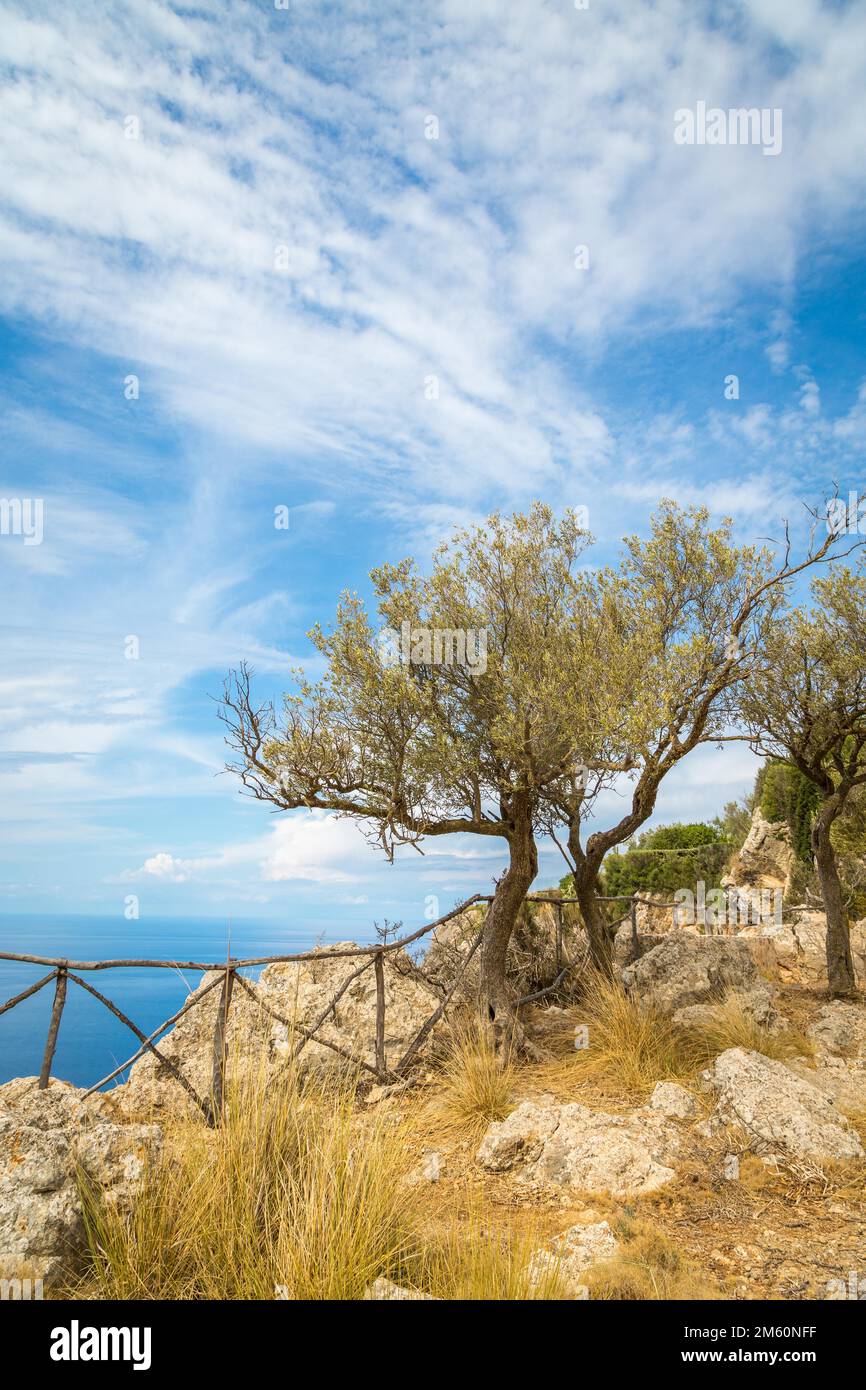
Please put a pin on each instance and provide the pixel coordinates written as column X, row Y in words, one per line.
column 64, row 971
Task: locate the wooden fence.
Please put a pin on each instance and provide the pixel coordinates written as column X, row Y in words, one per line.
column 227, row 979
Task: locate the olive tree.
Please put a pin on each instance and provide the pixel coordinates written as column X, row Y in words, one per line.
column 805, row 703
column 444, row 717
column 682, row 621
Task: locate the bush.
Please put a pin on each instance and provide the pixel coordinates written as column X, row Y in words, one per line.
column 668, row 858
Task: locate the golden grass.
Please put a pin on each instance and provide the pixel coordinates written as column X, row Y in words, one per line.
column 299, row 1194
column 731, row 1025
column 477, row 1085
column 648, row 1266
column 632, row 1046
column 470, row 1260
column 287, row 1193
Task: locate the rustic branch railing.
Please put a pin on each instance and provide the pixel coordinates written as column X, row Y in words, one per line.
column 227, row 976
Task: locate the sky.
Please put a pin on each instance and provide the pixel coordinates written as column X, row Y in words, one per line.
column 388, row 266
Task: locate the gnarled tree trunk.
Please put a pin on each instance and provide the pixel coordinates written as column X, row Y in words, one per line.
column 840, row 963
column 598, row 929
column 512, row 888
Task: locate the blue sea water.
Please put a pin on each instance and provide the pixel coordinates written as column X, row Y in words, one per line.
column 92, row 1042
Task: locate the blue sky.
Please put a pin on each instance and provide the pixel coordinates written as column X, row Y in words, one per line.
column 240, row 207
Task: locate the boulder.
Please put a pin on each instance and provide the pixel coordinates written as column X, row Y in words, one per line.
column 572, row 1253
column 779, row 1108
column 45, row 1137
column 574, row 1147
column 766, row 858
column 840, row 1030
column 673, row 1101
column 259, row 1044
column 685, row 970
column 795, row 953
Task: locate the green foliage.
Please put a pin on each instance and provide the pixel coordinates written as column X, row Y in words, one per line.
column 734, row 822
column 668, row 858
column 785, row 794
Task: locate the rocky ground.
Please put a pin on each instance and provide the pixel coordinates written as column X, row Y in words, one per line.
column 752, row 1169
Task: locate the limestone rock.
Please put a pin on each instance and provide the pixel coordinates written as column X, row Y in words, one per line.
column 44, row 1137
column 685, row 969
column 259, row 1044
column 572, row 1253
column 384, row 1291
column 766, row 857
column 673, row 1101
column 795, row 953
column 840, row 1029
column 574, row 1147
column 779, row 1108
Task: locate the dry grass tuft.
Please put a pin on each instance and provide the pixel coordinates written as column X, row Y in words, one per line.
column 477, row 1085
column 301, row 1191
column 288, row 1192
column 630, row 1047
column 731, row 1025
column 649, row 1266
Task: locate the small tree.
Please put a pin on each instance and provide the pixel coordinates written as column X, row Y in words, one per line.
column 806, row 703
column 681, row 622
column 422, row 744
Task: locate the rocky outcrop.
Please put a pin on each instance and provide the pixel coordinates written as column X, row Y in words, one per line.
column 571, row 1254
column 840, row 1030
column 685, row 970
column 45, row 1136
column 839, row 1069
column 766, row 858
column 779, row 1109
column 574, row 1147
column 795, row 953
column 260, row 1045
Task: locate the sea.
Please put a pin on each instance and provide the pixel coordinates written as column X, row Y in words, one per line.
column 92, row 1042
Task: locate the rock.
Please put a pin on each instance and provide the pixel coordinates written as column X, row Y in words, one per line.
column 766, row 858
column 778, row 1107
column 428, row 1170
column 574, row 1147
column 384, row 1291
column 572, row 1253
column 44, row 1137
column 259, row 1045
column 684, row 970
column 795, row 953
column 673, row 1101
column 840, row 1029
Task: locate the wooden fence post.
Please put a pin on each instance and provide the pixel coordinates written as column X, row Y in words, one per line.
column 559, row 910
column 220, row 1046
column 53, row 1028
column 379, row 967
